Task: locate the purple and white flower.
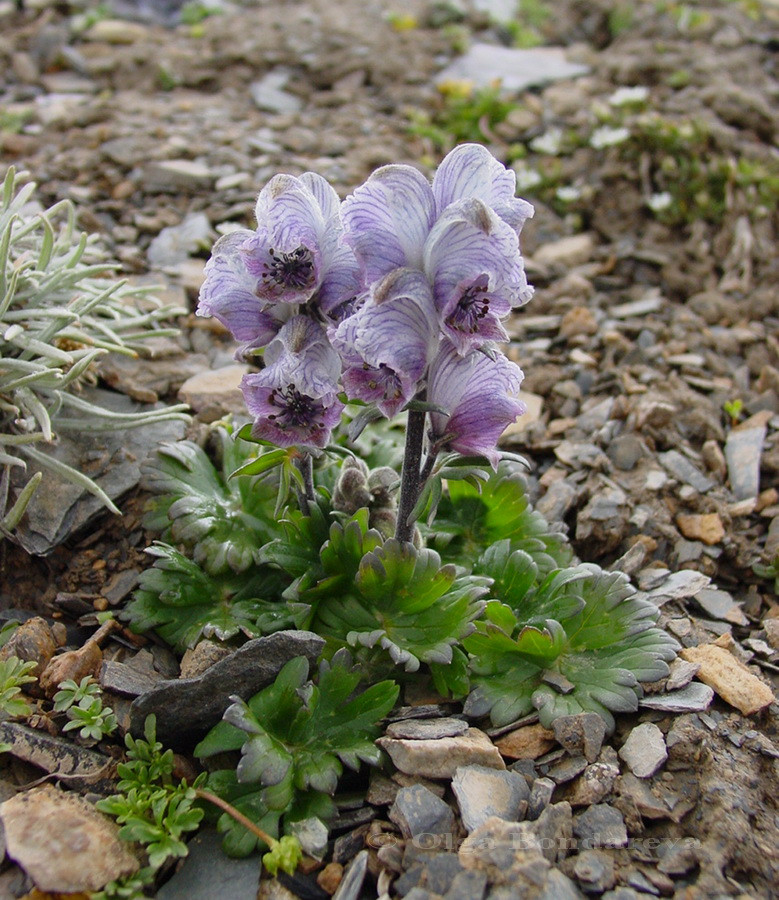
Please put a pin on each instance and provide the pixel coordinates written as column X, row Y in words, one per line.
column 294, row 399
column 480, row 395
column 388, row 343
column 294, row 257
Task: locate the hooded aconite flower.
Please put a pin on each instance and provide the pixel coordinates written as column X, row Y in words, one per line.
column 387, row 344
column 294, row 257
column 480, row 395
column 294, row 399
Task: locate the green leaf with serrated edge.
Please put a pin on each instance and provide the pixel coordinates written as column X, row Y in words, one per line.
column 452, row 679
column 303, row 733
column 602, row 652
column 262, row 464
column 474, row 516
column 221, row 520
column 182, row 602
column 247, row 799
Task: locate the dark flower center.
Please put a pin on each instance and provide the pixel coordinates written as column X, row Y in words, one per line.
column 289, row 270
column 471, row 307
column 295, row 409
column 385, row 379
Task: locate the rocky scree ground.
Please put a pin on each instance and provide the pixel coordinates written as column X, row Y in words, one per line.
column 651, row 355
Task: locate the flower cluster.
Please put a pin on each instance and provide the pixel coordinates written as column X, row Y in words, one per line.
column 393, row 294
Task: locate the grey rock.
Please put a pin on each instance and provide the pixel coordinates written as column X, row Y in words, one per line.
column 743, row 449
column 677, row 586
column 111, row 458
column 515, row 69
column 641, row 883
column 644, row 751
column 540, row 797
column 567, row 769
column 418, row 811
column 427, row 729
column 553, row 830
column 351, row 884
column 439, row 871
column 648, row 805
column 601, row 826
column 440, row 758
column 467, row 885
column 558, row 499
column 694, row 698
column 681, row 674
column 579, row 454
column 207, row 872
column 312, row 834
column 594, row 871
column 127, row 680
column 626, row 450
column 178, row 242
column 559, row 886
column 682, row 469
column 269, row 95
column 622, row 893
column 187, row 707
column 720, row 605
column 597, row 780
column 508, row 852
column 582, row 733
column 174, row 175
column 483, row 792
column 649, row 304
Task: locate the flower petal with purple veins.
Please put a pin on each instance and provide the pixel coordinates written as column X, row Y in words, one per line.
column 387, row 345
column 467, row 241
column 342, row 280
column 301, row 353
column 387, row 220
column 294, row 400
column 470, row 170
column 473, row 316
column 480, row 395
column 228, row 293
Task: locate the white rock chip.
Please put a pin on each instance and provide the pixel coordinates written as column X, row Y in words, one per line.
column 644, row 751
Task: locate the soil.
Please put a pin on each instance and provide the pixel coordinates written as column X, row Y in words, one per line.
column 653, row 335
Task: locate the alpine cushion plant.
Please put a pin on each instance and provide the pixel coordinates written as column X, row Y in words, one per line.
column 389, row 303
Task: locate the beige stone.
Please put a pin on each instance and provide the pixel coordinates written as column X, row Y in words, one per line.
column 707, row 527
column 529, row 742
column 771, row 628
column 63, row 843
column 441, row 757
column 215, row 388
column 730, row 678
column 578, row 320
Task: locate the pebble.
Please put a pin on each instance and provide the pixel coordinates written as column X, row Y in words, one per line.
column 681, row 674
column 696, row 697
column 601, row 826
column 483, row 792
column 540, row 797
column 417, row 810
column 594, row 870
column 176, row 243
column 440, row 758
column 174, row 175
column 720, row 605
column 508, row 853
column 427, row 729
column 565, row 253
column 63, row 843
column 596, row 781
column 730, row 678
column 269, row 95
column 743, row 449
column 350, row 887
column 116, row 31
column 640, row 793
column 554, row 829
column 644, row 751
column 529, row 742
column 683, row 470
column 707, row 527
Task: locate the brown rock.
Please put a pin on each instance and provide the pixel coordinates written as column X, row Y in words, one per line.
column 730, row 678
column 771, row 628
column 218, row 388
column 330, row 877
column 440, row 758
column 529, row 742
column 707, row 527
column 32, row 641
column 576, row 321
column 63, row 843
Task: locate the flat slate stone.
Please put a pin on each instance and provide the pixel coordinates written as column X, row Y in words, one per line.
column 694, row 698
column 644, row 751
column 483, row 792
column 601, row 826
column 427, row 729
column 207, row 872
column 515, row 69
column 186, row 708
column 417, row 811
